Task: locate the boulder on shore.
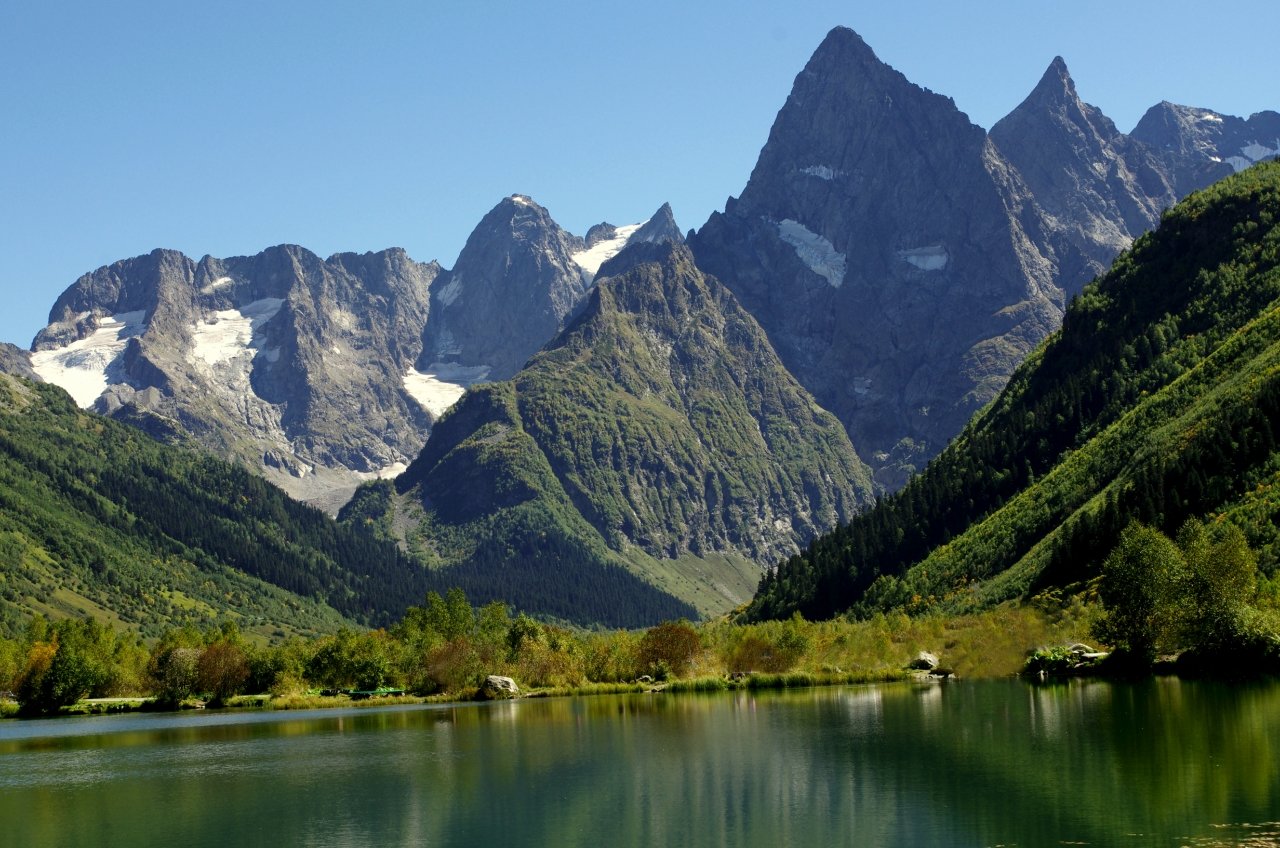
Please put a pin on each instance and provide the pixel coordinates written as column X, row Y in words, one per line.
column 497, row 687
column 924, row 661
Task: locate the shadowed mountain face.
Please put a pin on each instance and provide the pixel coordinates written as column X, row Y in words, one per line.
column 890, row 253
column 1155, row 402
column 903, row 261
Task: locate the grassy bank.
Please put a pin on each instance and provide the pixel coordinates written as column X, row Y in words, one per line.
column 443, row 654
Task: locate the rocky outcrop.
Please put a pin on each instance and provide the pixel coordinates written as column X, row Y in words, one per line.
column 1097, row 188
column 293, row 364
column 497, row 688
column 1202, row 146
column 16, row 362
column 517, row 283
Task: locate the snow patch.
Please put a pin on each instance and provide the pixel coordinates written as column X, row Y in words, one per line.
column 931, row 258
column 81, row 367
column 593, row 257
column 450, row 292
column 1257, row 152
column 229, row 333
column 220, row 283
column 1211, row 117
column 822, row 172
column 390, row 472
column 439, row 387
column 814, row 250
column 521, row 200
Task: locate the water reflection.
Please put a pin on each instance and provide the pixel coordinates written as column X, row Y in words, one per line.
column 952, row 763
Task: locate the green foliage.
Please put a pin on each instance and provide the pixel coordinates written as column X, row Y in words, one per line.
column 76, row 662
column 350, row 660
column 98, row 519
column 668, row 649
column 1143, row 581
column 661, row 422
column 1221, row 580
column 1196, row 594
column 1056, row 660
column 174, row 672
column 1154, row 403
column 222, row 670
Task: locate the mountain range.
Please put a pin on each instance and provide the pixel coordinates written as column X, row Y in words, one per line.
column 1155, row 402
column 680, row 409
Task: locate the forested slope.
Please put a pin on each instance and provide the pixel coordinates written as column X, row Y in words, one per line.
column 98, row 518
column 1156, row 401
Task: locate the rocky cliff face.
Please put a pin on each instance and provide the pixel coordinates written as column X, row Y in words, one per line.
column 512, row 288
column 16, row 362
column 1097, row 188
column 903, row 261
column 286, row 361
column 1203, row 146
column 661, row 419
column 888, row 251
column 517, row 282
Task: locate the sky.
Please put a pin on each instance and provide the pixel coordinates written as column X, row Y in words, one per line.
column 224, row 128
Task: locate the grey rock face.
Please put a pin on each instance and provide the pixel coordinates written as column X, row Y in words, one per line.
column 517, row 283
column 1202, row 145
column 903, row 261
column 291, row 363
column 1097, row 188
column 17, row 362
column 884, row 245
column 512, row 289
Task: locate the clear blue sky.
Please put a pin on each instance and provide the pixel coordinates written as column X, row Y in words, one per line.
column 227, row 127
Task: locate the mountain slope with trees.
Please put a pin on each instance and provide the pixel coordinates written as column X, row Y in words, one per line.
column 1155, row 403
column 97, row 518
column 658, row 432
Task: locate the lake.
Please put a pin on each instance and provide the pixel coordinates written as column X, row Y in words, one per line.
column 981, row 763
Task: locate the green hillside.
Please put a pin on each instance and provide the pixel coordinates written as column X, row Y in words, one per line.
column 1156, row 401
column 97, row 518
column 658, row 438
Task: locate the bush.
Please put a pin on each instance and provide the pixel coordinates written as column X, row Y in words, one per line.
column 668, row 649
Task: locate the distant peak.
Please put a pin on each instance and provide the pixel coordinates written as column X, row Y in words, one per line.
column 842, row 47
column 661, row 227
column 1055, row 84
column 521, row 200
column 843, row 36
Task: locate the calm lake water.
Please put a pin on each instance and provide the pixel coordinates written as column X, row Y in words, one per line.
column 964, row 763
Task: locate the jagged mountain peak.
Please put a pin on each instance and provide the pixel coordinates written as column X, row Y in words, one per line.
column 841, row 45
column 1056, row 85
column 1055, row 98
column 515, row 283
column 661, row 227
column 266, row 358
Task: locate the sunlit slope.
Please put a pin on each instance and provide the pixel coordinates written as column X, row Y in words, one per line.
column 97, row 518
